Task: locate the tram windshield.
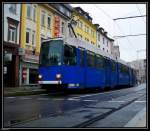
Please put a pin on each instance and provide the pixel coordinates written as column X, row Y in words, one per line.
column 51, row 53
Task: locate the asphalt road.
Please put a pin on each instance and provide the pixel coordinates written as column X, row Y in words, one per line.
column 104, row 109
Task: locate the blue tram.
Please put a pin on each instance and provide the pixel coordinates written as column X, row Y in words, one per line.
column 74, row 64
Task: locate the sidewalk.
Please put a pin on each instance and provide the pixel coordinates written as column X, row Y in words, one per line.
column 139, row 120
column 19, row 91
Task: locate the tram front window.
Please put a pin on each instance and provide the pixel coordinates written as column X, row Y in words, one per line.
column 69, row 55
column 51, row 53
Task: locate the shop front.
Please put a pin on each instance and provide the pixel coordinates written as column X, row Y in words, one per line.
column 29, row 69
column 10, row 65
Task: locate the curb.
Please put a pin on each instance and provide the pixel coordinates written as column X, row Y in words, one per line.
column 139, row 120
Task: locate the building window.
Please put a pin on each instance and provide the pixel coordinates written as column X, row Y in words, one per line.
column 27, row 36
column 98, row 37
column 107, row 43
column 48, row 22
column 43, row 18
column 80, row 24
column 87, row 29
column 103, row 41
column 12, row 34
column 34, row 13
column 13, row 8
column 28, row 11
column 103, row 49
column 79, row 36
column 62, row 28
column 33, row 38
column 42, row 38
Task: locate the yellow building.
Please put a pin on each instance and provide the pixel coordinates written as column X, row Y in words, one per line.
column 84, row 30
column 39, row 22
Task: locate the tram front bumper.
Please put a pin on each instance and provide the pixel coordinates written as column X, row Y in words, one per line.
column 49, row 82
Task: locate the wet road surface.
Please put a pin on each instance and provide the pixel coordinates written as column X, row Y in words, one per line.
column 80, row 107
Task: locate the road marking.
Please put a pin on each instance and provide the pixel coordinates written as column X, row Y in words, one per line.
column 90, row 100
column 42, row 99
column 71, row 99
column 43, row 94
column 59, row 99
column 10, row 97
column 116, row 101
column 139, row 101
column 25, row 98
column 101, row 93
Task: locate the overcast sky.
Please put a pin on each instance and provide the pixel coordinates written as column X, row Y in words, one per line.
column 103, row 14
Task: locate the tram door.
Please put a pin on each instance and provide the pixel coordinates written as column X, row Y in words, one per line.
column 108, row 72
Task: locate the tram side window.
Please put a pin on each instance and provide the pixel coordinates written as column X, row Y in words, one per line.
column 113, row 66
column 69, row 55
column 124, row 69
column 99, row 62
column 90, row 59
column 81, row 57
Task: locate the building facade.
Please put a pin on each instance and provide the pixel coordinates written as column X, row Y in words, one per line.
column 115, row 51
column 39, row 22
column 140, row 66
column 11, row 45
column 105, row 43
column 85, row 29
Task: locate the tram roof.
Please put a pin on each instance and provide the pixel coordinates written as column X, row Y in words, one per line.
column 82, row 44
column 79, row 43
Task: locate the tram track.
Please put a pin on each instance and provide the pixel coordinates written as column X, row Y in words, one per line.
column 104, row 115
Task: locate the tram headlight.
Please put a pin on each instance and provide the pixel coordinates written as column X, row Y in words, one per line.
column 40, row 76
column 58, row 76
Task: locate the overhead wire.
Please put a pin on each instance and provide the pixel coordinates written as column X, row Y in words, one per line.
column 139, row 12
column 114, row 22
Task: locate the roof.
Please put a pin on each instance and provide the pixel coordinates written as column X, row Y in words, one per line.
column 68, row 6
column 82, row 44
column 83, row 12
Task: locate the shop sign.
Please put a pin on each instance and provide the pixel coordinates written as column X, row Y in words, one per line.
column 32, row 58
column 24, row 73
column 57, row 26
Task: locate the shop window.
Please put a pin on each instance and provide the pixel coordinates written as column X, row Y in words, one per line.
column 33, row 76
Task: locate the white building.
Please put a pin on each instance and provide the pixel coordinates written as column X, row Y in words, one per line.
column 140, row 66
column 115, row 50
column 11, row 24
column 105, row 43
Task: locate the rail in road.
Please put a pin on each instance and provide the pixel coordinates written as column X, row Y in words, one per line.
column 87, row 109
column 100, row 117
